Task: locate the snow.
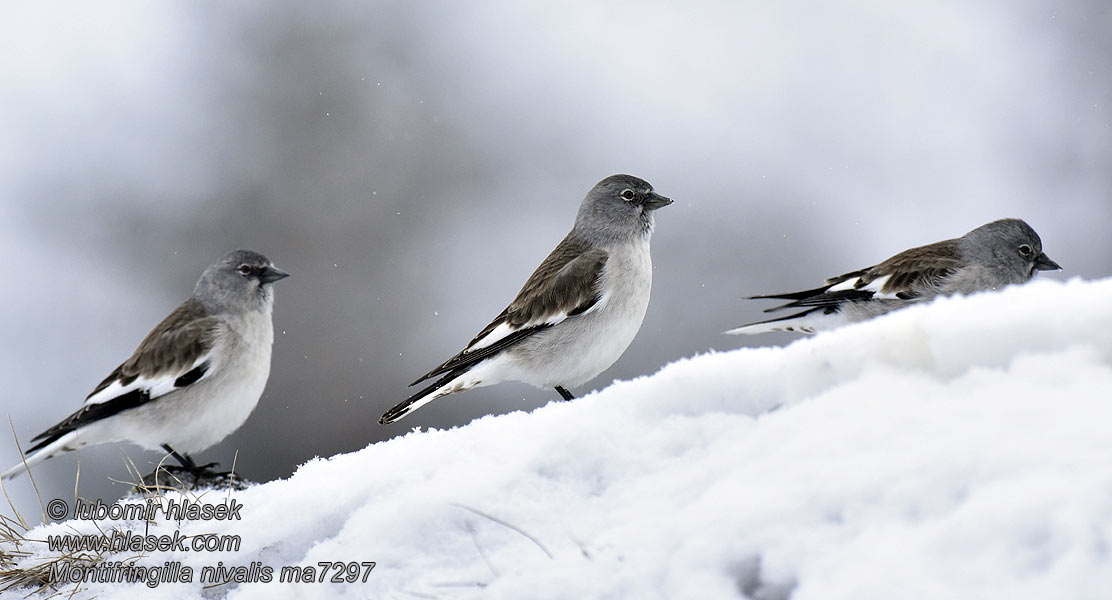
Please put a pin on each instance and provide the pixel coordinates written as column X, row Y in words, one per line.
column 953, row 450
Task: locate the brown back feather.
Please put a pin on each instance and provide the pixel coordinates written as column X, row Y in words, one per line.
column 172, row 346
column 567, row 280
column 570, row 272
column 916, row 269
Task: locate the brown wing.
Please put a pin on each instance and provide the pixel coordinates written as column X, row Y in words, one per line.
column 563, row 286
column 917, row 270
column 172, row 346
column 911, row 273
column 166, row 360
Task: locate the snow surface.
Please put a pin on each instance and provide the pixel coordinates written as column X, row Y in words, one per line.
column 955, row 450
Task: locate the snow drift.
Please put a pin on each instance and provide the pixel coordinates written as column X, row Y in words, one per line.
column 953, row 450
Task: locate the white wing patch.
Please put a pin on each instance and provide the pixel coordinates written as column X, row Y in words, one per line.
column 155, row 387
column 506, row 329
column 874, row 286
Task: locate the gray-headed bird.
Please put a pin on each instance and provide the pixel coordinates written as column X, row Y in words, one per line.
column 193, row 380
column 989, row 257
column 576, row 314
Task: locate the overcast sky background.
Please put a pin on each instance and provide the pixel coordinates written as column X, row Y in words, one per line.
column 410, row 163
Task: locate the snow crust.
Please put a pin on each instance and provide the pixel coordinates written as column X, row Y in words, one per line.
column 959, row 449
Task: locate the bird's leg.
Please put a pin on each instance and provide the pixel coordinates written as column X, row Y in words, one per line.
column 190, row 475
column 187, row 463
column 566, row 395
column 183, row 460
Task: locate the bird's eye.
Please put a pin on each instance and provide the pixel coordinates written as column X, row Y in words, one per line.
column 1025, row 250
column 627, row 195
column 245, row 270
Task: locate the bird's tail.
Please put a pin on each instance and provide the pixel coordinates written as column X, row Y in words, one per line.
column 43, row 450
column 801, row 322
column 442, row 387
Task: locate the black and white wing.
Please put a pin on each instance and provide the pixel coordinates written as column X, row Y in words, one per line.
column 176, row 354
column 564, row 286
column 906, row 276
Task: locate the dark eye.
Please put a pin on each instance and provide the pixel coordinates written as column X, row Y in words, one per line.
column 627, row 195
column 1025, row 250
column 246, row 270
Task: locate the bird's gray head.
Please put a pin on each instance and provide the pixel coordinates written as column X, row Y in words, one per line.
column 240, row 281
column 1008, row 246
column 618, row 207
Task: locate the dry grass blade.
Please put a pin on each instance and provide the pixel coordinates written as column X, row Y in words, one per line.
column 27, row 468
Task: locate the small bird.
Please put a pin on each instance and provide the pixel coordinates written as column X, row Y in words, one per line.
column 991, row 256
column 576, row 314
column 193, row 380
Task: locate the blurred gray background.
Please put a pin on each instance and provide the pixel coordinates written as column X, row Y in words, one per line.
column 410, row 163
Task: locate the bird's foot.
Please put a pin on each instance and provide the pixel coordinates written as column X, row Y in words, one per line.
column 180, row 477
column 189, row 475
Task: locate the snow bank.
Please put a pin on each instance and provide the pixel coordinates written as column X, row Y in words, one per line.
column 956, row 450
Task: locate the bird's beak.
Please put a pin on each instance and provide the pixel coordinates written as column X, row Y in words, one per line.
column 272, row 274
column 655, row 201
column 1043, row 263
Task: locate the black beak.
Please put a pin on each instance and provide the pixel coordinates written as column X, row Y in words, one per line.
column 655, row 201
column 272, row 274
column 1043, row 263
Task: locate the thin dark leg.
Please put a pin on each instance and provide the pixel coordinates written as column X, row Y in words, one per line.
column 188, row 464
column 182, row 459
column 189, row 474
column 566, row 395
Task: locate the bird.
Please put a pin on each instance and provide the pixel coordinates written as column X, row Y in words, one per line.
column 192, row 381
column 575, row 315
column 1000, row 253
